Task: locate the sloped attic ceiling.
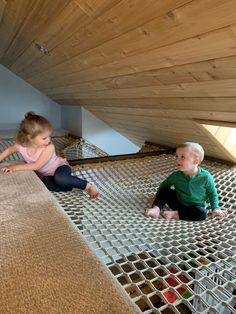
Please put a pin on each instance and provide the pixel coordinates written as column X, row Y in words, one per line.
column 147, row 68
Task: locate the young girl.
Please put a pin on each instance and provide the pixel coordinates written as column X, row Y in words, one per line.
column 193, row 186
column 34, row 143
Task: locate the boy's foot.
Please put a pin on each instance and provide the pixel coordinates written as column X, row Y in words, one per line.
column 92, row 190
column 153, row 212
column 171, row 214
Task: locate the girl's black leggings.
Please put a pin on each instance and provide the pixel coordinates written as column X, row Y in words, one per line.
column 63, row 181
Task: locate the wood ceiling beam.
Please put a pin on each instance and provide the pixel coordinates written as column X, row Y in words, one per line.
column 227, row 124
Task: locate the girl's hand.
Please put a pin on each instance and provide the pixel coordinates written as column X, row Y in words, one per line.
column 7, row 169
column 220, row 213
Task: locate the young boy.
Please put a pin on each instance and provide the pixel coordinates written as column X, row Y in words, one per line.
column 193, row 186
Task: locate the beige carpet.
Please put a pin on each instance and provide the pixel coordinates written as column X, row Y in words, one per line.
column 45, row 264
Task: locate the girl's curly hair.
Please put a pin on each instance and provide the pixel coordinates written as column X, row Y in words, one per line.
column 31, row 126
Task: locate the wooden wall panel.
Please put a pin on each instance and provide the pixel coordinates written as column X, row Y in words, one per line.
column 154, row 70
column 2, row 6
column 13, row 16
column 218, row 44
column 221, row 68
column 71, row 20
column 105, row 27
column 222, row 104
column 164, row 113
column 162, row 31
column 219, row 88
column 37, row 14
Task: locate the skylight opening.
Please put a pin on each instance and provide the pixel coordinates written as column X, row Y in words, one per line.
column 225, row 135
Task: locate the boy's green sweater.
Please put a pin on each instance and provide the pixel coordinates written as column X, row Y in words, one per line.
column 194, row 190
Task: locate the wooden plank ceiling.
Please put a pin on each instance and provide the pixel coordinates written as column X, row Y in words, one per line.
column 147, row 68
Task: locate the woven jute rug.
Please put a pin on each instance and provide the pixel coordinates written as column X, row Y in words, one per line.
column 45, row 264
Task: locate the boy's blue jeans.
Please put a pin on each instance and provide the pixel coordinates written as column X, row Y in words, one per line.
column 63, row 181
column 168, row 196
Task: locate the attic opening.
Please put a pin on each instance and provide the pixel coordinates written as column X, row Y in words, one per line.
column 224, row 135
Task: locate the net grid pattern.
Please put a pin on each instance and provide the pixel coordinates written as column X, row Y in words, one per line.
column 166, row 266
column 81, row 148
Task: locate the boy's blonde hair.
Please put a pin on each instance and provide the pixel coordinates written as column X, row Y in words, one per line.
column 196, row 148
column 31, row 126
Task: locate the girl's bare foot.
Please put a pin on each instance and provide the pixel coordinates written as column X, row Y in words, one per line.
column 92, row 190
column 171, row 214
column 152, row 212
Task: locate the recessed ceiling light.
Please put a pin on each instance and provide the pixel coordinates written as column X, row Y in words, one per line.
column 42, row 49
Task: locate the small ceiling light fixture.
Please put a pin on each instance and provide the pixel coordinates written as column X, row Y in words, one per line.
column 42, row 49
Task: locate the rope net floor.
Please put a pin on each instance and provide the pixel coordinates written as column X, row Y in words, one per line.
column 165, row 266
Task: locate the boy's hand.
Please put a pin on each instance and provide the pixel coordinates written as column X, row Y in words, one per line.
column 220, row 213
column 7, row 169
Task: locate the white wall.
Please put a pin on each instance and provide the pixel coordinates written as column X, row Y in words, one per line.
column 100, row 134
column 71, row 119
column 18, row 97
